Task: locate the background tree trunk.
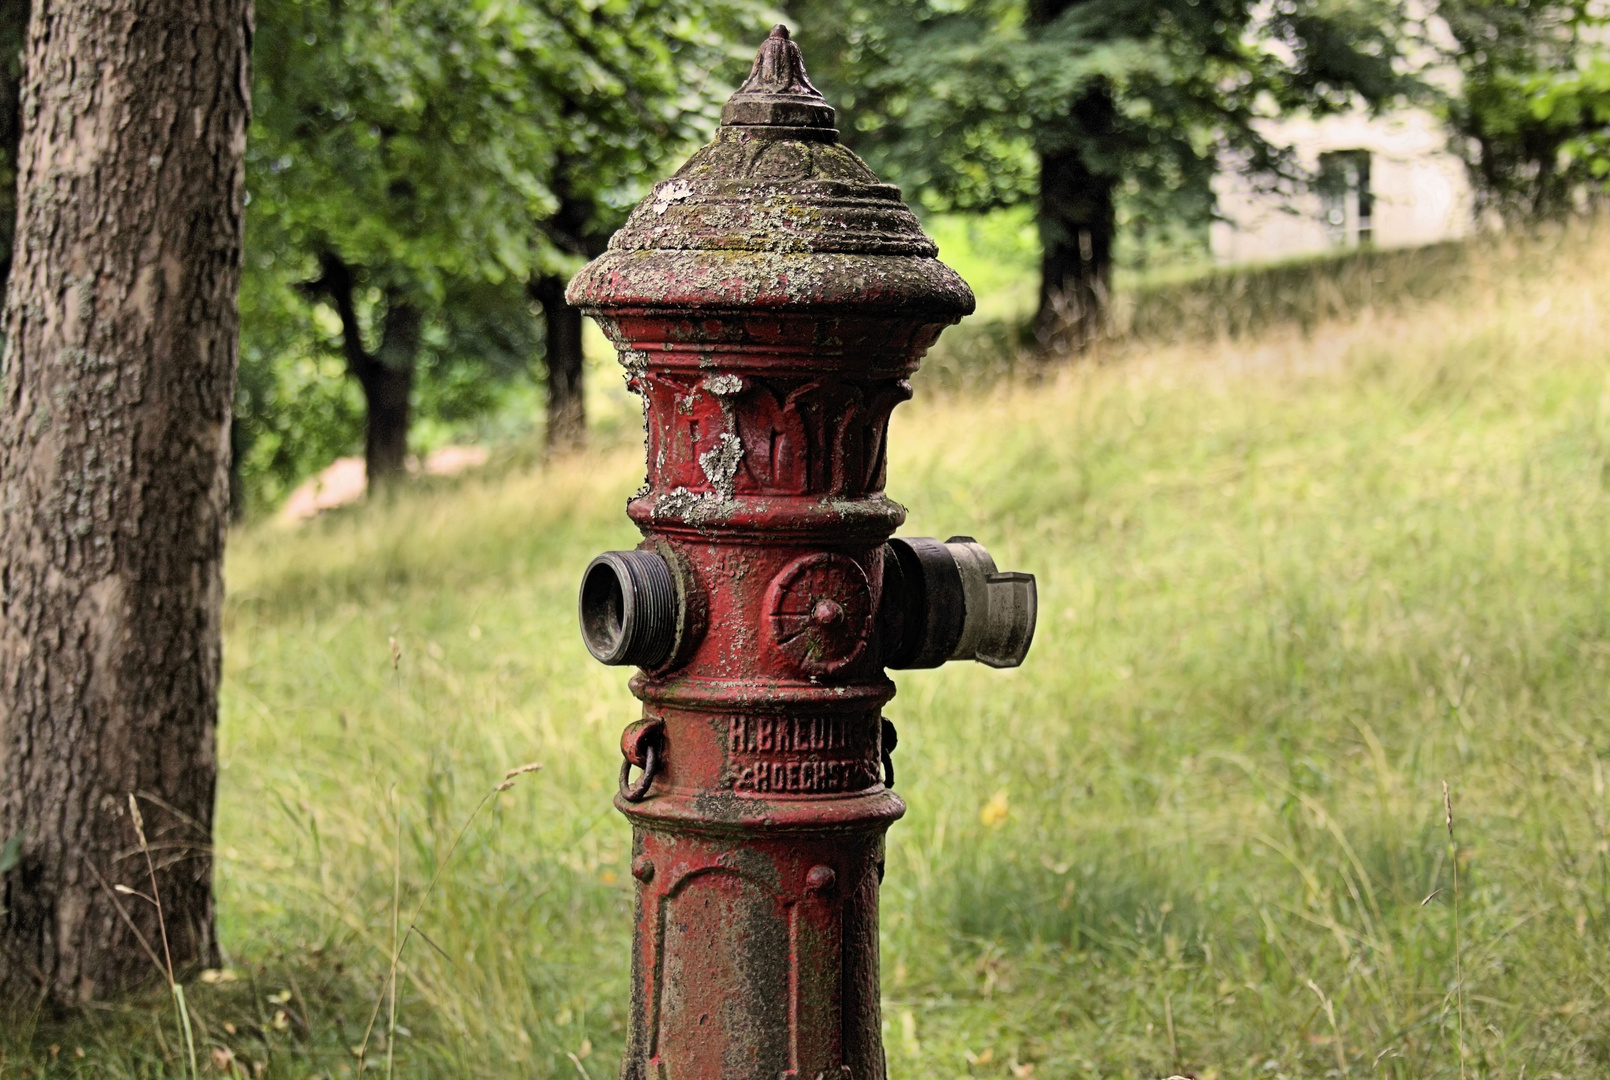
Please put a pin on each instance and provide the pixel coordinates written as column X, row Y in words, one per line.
column 388, row 383
column 1078, row 225
column 121, row 328
column 386, row 375
column 567, row 406
column 1078, row 213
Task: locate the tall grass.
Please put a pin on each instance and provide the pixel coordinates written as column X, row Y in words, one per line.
column 1290, row 585
column 1241, row 300
column 1213, row 304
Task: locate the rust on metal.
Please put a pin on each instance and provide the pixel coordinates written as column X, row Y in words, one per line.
column 769, row 303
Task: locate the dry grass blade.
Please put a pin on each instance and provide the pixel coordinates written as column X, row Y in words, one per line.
column 1458, row 963
column 180, row 1005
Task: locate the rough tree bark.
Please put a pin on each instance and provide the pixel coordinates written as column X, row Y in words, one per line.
column 567, row 407
column 121, row 332
column 386, row 374
column 1077, row 215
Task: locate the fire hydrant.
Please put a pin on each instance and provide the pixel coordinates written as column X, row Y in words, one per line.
column 769, row 302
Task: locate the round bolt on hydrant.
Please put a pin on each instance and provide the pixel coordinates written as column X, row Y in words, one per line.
column 769, row 303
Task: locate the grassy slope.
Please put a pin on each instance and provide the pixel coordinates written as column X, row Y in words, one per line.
column 1288, row 587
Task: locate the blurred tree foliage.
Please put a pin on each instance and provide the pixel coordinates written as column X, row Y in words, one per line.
column 1579, row 102
column 424, row 175
column 418, row 172
column 1100, row 113
column 1534, row 105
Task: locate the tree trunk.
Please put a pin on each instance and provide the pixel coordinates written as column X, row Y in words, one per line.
column 387, row 384
column 386, row 375
column 1078, row 214
column 1078, row 224
column 385, row 431
column 567, row 406
column 121, row 329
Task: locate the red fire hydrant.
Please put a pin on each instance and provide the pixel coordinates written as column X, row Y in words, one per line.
column 769, row 302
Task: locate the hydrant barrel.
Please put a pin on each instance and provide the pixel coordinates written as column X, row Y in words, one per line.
column 769, row 303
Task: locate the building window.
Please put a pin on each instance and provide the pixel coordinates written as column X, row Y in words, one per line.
column 1347, row 206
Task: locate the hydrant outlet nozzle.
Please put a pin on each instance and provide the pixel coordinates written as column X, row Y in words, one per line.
column 628, row 608
column 947, row 601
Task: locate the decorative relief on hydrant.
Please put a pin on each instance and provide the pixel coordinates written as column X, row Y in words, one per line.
column 821, row 612
column 769, row 303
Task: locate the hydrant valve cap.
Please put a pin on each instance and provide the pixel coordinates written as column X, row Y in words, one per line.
column 628, row 608
column 1000, row 607
column 1012, row 611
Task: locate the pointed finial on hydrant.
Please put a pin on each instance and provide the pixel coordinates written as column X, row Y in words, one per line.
column 778, row 93
column 779, row 68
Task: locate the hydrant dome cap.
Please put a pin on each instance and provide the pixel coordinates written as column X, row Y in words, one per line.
column 773, row 212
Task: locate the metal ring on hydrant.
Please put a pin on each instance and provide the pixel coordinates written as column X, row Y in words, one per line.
column 639, row 791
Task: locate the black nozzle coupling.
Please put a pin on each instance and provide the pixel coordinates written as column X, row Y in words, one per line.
column 628, row 608
column 950, row 603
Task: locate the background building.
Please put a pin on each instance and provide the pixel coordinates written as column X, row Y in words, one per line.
column 1387, row 181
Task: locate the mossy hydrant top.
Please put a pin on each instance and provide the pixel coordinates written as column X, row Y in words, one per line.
column 769, row 303
column 774, row 215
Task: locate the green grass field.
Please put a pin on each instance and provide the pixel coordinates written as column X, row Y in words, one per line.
column 1289, row 587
